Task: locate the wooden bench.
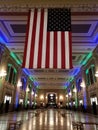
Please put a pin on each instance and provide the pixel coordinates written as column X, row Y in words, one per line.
column 34, row 113
column 12, row 125
column 90, row 123
column 37, row 114
column 63, row 114
column 77, row 125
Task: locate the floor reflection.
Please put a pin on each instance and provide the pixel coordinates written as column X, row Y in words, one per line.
column 49, row 119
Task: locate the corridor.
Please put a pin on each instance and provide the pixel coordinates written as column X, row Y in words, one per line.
column 47, row 119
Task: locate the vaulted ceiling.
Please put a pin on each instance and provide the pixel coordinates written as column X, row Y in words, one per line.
column 84, row 40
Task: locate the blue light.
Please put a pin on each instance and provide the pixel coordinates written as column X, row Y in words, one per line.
column 75, row 71
column 35, row 83
column 95, row 40
column 85, row 100
column 67, row 84
column 29, row 74
column 24, row 80
column 27, row 71
column 3, row 38
column 78, row 82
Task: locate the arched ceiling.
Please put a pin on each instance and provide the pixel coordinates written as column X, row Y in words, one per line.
column 84, row 37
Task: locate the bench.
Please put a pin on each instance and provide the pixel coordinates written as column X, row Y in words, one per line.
column 63, row 114
column 33, row 113
column 77, row 125
column 37, row 113
column 12, row 125
column 90, row 123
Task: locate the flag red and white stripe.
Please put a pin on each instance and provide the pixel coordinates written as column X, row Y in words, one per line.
column 46, row 49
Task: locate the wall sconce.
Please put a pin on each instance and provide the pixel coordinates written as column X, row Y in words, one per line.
column 41, row 97
column 66, row 95
column 70, row 93
column 82, row 85
column 35, row 95
column 61, row 97
column 2, row 73
column 74, row 90
column 96, row 74
column 19, row 84
column 32, row 92
column 27, row 89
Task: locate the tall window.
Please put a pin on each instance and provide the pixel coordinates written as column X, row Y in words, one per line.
column 11, row 74
column 87, row 78
column 90, row 75
column 93, row 71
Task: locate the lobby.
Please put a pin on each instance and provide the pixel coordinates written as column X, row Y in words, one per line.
column 49, row 91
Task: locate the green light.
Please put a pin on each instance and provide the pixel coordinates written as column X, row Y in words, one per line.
column 15, row 57
column 15, row 70
column 71, row 79
column 26, row 99
column 87, row 71
column 65, row 87
column 37, row 87
column 76, row 101
column 31, row 78
column 87, row 58
column 9, row 64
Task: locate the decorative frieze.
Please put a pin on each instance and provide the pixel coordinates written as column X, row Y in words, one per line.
column 26, row 7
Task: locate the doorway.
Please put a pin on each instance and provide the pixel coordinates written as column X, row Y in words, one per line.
column 7, row 102
column 52, row 100
column 94, row 104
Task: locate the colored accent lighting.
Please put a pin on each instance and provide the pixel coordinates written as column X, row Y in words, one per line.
column 87, row 58
column 15, row 57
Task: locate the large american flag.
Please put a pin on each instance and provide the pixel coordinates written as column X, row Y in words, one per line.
column 48, row 40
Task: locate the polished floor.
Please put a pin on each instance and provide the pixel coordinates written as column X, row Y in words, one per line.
column 47, row 119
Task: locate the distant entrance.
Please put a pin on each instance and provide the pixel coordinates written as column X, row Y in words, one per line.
column 52, row 100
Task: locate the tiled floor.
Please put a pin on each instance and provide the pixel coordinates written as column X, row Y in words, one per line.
column 49, row 119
